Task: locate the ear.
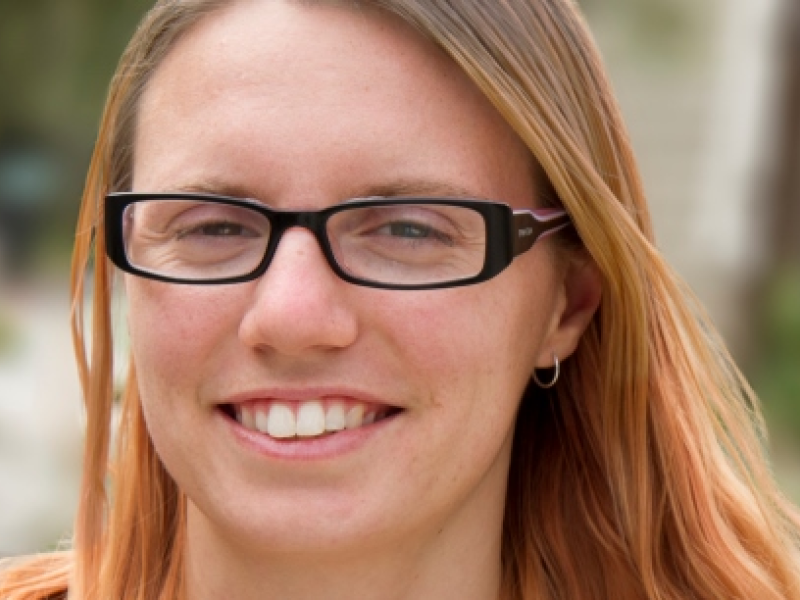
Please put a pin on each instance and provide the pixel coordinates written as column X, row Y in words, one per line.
column 578, row 299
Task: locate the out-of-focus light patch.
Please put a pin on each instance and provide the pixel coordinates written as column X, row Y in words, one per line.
column 40, row 437
column 728, row 224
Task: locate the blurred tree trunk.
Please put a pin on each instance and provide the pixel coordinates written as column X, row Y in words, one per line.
column 784, row 189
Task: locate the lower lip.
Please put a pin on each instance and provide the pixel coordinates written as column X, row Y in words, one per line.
column 307, row 449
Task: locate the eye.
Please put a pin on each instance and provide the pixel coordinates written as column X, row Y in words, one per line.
column 218, row 229
column 402, row 224
column 411, row 230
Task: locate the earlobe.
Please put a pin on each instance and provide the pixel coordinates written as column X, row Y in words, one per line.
column 553, row 380
column 580, row 298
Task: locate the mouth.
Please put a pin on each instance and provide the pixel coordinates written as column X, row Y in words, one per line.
column 306, row 419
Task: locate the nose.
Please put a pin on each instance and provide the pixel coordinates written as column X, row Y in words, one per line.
column 300, row 304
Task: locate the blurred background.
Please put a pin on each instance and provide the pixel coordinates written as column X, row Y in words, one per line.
column 711, row 94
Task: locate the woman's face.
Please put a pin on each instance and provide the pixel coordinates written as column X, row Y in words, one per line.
column 301, row 108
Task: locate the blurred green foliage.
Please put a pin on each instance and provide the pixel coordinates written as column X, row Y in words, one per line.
column 777, row 374
column 56, row 59
column 8, row 334
column 655, row 29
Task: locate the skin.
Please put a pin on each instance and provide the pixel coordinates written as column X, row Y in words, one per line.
column 304, row 107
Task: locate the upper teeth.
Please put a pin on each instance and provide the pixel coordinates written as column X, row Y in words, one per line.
column 305, row 419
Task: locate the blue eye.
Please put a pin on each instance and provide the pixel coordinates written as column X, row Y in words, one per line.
column 410, row 230
column 414, row 231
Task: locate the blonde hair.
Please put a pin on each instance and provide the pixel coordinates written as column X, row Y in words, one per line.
column 641, row 475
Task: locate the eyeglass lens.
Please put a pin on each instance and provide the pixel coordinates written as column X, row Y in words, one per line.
column 402, row 244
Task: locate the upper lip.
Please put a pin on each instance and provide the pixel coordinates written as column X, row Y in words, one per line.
column 298, row 394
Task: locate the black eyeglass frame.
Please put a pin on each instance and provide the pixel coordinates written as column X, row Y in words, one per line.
column 509, row 233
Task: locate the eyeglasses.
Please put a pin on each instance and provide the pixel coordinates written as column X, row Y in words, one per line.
column 391, row 243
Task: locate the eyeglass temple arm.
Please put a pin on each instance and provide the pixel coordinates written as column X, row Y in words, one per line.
column 529, row 226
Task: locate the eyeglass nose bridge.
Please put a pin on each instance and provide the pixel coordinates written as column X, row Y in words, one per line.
column 282, row 221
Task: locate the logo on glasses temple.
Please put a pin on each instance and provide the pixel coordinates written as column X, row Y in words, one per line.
column 526, row 232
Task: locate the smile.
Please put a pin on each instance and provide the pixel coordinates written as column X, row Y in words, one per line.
column 306, row 419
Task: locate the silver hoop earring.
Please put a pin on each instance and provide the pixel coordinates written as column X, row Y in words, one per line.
column 552, row 382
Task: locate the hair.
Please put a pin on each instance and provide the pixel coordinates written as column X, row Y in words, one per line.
column 642, row 474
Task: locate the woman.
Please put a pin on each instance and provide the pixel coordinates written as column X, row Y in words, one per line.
column 398, row 327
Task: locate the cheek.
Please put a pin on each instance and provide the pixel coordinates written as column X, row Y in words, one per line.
column 174, row 331
column 471, row 351
column 479, row 343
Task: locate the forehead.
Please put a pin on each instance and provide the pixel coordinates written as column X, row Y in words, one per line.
column 291, row 40
column 274, row 81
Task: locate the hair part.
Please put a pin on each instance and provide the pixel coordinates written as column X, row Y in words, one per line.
column 641, row 475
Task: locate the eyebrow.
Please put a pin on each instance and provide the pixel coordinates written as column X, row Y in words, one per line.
column 390, row 189
column 215, row 188
column 419, row 187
